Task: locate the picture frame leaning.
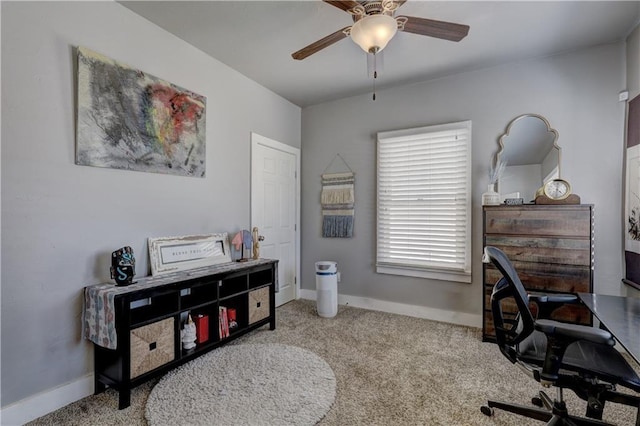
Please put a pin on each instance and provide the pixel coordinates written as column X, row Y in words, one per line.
column 173, row 254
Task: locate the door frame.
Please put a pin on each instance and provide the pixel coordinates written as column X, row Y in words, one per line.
column 256, row 140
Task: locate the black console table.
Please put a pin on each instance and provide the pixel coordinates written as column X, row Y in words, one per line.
column 136, row 329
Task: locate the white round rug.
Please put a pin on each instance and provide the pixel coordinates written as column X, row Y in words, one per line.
column 245, row 384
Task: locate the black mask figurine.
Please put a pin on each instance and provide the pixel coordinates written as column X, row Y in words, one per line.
column 123, row 266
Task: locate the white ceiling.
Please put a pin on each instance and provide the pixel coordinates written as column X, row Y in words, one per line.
column 257, row 38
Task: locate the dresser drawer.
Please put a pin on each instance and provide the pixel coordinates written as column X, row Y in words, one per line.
column 546, row 277
column 573, row 314
column 562, row 251
column 540, row 221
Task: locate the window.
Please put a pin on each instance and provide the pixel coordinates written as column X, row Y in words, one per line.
column 424, row 202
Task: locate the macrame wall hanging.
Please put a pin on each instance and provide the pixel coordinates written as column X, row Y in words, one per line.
column 338, row 200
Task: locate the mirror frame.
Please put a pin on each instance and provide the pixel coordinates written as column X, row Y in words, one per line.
column 508, row 131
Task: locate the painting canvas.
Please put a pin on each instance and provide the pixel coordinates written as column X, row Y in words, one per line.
column 128, row 119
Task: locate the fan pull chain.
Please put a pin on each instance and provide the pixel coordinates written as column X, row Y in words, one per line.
column 374, row 88
column 375, row 75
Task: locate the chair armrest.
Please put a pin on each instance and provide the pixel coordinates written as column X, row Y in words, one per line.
column 553, row 298
column 574, row 332
column 547, row 303
column 559, row 337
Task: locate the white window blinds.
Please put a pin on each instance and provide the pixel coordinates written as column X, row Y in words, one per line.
column 424, row 200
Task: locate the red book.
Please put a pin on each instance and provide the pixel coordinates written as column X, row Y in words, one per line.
column 231, row 314
column 202, row 328
column 220, row 333
column 223, row 322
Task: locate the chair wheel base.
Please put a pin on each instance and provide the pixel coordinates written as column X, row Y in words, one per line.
column 487, row 411
column 537, row 401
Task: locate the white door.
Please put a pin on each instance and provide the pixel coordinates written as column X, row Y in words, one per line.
column 274, row 209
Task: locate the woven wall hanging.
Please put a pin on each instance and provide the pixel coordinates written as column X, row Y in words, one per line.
column 338, row 200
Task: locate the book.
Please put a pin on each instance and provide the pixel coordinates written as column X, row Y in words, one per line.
column 223, row 323
column 202, row 328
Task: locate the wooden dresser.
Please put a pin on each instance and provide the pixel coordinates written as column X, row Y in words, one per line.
column 551, row 247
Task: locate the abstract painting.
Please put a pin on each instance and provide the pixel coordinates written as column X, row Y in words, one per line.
column 128, row 119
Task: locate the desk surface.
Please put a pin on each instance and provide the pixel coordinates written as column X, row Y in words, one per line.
column 620, row 315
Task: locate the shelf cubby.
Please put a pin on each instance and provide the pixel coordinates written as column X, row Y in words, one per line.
column 232, row 285
column 198, row 294
column 147, row 309
column 260, row 278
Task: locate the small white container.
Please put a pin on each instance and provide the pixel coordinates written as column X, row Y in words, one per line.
column 491, row 197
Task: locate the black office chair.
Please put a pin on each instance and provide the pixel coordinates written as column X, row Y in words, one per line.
column 566, row 356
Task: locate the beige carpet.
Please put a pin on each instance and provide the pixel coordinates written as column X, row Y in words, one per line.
column 390, row 369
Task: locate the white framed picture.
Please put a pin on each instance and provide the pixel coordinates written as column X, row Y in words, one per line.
column 172, row 254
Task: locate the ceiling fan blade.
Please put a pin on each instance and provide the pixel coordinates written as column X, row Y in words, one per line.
column 437, row 29
column 320, row 44
column 344, row 4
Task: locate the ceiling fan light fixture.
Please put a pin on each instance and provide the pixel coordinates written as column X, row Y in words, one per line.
column 373, row 32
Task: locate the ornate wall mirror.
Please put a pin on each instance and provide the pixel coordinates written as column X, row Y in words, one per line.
column 529, row 149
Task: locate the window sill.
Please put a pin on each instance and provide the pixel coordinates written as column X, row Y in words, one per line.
column 423, row 273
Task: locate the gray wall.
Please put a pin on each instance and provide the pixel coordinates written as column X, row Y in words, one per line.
column 633, row 63
column 60, row 221
column 576, row 92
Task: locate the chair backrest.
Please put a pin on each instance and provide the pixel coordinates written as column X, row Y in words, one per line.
column 509, row 332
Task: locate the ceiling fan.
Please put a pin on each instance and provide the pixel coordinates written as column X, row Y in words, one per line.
column 374, row 25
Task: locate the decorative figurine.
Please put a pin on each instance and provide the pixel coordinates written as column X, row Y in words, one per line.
column 256, row 243
column 247, row 240
column 231, row 318
column 242, row 241
column 188, row 334
column 238, row 243
column 123, row 266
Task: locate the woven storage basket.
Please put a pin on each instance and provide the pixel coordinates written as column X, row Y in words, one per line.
column 258, row 304
column 152, row 345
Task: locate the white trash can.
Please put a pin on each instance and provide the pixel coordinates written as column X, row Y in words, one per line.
column 327, row 288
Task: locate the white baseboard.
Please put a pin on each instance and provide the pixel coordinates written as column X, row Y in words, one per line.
column 45, row 402
column 459, row 318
